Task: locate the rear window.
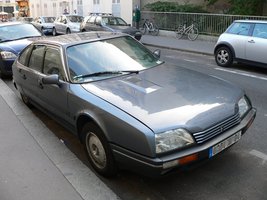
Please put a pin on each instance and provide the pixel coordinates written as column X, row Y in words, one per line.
column 239, row 28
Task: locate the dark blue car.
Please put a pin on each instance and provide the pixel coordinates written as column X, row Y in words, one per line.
column 14, row 37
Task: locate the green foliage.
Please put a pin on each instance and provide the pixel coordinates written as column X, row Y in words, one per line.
column 243, row 7
column 174, row 7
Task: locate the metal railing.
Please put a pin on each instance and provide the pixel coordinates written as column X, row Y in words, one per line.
column 208, row 24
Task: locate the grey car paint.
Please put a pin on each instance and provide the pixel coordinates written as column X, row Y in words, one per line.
column 131, row 108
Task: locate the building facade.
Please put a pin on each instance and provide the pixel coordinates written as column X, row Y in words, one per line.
column 121, row 8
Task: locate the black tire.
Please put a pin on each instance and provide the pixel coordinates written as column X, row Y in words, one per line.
column 98, row 150
column 224, row 57
column 68, row 31
column 54, row 32
column 26, row 100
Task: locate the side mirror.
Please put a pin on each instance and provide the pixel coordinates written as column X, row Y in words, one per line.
column 157, row 53
column 51, row 79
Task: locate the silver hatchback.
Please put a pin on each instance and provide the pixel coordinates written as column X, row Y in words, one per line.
column 66, row 24
column 244, row 41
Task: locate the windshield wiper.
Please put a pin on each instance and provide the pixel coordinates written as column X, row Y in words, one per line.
column 106, row 73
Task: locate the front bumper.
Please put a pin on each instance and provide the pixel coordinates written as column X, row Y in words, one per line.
column 157, row 166
column 6, row 67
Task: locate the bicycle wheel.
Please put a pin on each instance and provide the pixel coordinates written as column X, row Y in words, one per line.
column 155, row 30
column 180, row 31
column 193, row 33
column 143, row 29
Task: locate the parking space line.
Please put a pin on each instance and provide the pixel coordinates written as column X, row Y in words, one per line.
column 259, row 154
column 242, row 73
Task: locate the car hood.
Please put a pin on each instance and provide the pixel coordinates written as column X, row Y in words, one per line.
column 15, row 46
column 167, row 97
column 125, row 29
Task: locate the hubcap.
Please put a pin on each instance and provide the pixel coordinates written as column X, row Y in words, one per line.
column 96, row 150
column 223, row 57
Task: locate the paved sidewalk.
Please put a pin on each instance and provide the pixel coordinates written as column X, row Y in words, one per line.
column 197, row 46
column 35, row 165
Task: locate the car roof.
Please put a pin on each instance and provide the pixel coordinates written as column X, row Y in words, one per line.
column 251, row 21
column 11, row 23
column 78, row 38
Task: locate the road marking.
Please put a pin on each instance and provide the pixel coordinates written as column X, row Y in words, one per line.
column 259, row 155
column 193, row 61
column 242, row 73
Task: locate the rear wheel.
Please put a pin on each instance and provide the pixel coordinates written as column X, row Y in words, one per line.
column 224, row 57
column 98, row 150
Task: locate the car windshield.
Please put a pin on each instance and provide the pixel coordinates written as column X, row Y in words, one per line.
column 108, row 58
column 49, row 19
column 75, row 19
column 114, row 21
column 18, row 31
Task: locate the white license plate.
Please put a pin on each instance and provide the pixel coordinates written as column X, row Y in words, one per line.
column 224, row 144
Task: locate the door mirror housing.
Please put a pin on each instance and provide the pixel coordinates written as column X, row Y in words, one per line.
column 51, row 79
column 157, row 53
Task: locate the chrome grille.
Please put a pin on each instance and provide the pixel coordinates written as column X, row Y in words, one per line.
column 206, row 135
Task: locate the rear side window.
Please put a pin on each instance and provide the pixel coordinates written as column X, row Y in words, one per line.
column 23, row 59
column 240, row 28
column 260, row 31
column 36, row 59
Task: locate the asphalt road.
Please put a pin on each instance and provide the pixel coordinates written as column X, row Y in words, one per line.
column 237, row 174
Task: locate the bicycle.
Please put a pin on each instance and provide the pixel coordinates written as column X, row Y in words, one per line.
column 191, row 31
column 149, row 27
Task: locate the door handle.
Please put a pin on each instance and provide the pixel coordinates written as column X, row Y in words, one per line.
column 251, row 41
column 40, row 84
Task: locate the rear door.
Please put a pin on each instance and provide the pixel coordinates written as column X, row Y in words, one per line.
column 256, row 46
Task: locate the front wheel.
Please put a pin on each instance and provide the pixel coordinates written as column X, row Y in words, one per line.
column 68, row 31
column 193, row 33
column 224, row 57
column 98, row 150
column 180, row 32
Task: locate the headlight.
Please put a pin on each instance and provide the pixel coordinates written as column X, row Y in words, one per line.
column 172, row 139
column 243, row 106
column 8, row 55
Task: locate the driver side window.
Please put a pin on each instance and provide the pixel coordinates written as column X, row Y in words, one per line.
column 52, row 62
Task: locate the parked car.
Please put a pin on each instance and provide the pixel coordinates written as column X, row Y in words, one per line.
column 14, row 36
column 108, row 22
column 245, row 41
column 26, row 19
column 66, row 24
column 44, row 24
column 130, row 109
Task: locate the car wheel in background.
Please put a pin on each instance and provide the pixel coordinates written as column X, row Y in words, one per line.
column 68, row 31
column 54, row 32
column 224, row 57
column 25, row 100
column 98, row 150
